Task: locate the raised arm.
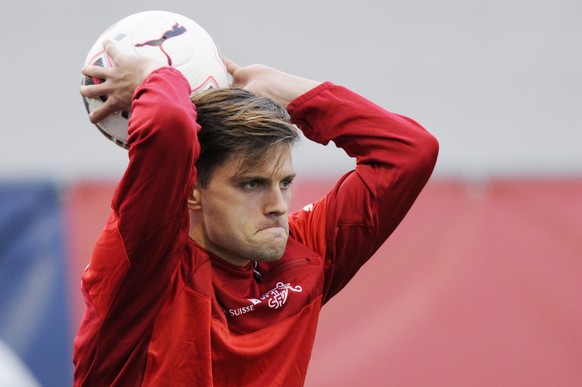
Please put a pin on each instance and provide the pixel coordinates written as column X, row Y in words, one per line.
column 137, row 251
column 394, row 156
column 149, row 207
column 162, row 144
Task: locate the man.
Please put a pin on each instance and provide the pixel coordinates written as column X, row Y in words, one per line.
column 201, row 276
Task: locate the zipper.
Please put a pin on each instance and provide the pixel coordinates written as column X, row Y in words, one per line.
column 287, row 265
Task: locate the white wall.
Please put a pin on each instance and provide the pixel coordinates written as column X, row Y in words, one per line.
column 498, row 81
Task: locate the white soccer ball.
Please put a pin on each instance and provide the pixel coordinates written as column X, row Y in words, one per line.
column 170, row 38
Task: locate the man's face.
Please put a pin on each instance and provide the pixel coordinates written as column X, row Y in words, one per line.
column 242, row 215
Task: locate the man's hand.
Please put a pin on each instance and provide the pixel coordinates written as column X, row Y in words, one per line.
column 268, row 82
column 121, row 80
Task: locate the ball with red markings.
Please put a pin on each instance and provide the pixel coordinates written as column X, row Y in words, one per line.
column 170, row 38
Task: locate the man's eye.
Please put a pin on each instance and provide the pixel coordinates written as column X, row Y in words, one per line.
column 251, row 184
column 285, row 184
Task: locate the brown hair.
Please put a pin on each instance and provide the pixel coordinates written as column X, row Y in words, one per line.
column 236, row 123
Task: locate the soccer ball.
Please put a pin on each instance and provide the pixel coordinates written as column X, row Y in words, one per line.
column 170, row 38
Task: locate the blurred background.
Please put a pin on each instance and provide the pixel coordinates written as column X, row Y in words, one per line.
column 482, row 283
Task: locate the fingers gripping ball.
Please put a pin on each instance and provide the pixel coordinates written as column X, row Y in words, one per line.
column 171, row 39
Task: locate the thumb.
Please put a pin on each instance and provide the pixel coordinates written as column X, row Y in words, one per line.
column 111, row 49
column 231, row 67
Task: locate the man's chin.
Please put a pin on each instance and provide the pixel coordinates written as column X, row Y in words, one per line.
column 271, row 253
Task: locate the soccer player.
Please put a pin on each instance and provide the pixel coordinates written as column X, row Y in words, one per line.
column 202, row 276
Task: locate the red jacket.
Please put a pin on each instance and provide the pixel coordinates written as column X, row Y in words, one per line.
column 161, row 311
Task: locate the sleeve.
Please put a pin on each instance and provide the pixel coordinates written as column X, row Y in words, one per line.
column 151, row 198
column 137, row 250
column 395, row 157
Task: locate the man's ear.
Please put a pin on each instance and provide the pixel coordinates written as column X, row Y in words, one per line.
column 194, row 201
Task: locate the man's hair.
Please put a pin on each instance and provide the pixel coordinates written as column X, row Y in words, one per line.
column 236, row 123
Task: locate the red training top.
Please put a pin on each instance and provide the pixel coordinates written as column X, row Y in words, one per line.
column 163, row 311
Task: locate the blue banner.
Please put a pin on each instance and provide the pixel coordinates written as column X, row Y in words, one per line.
column 34, row 320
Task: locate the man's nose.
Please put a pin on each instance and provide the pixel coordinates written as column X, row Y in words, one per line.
column 277, row 201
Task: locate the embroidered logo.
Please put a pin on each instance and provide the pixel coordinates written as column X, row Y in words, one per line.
column 277, row 297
